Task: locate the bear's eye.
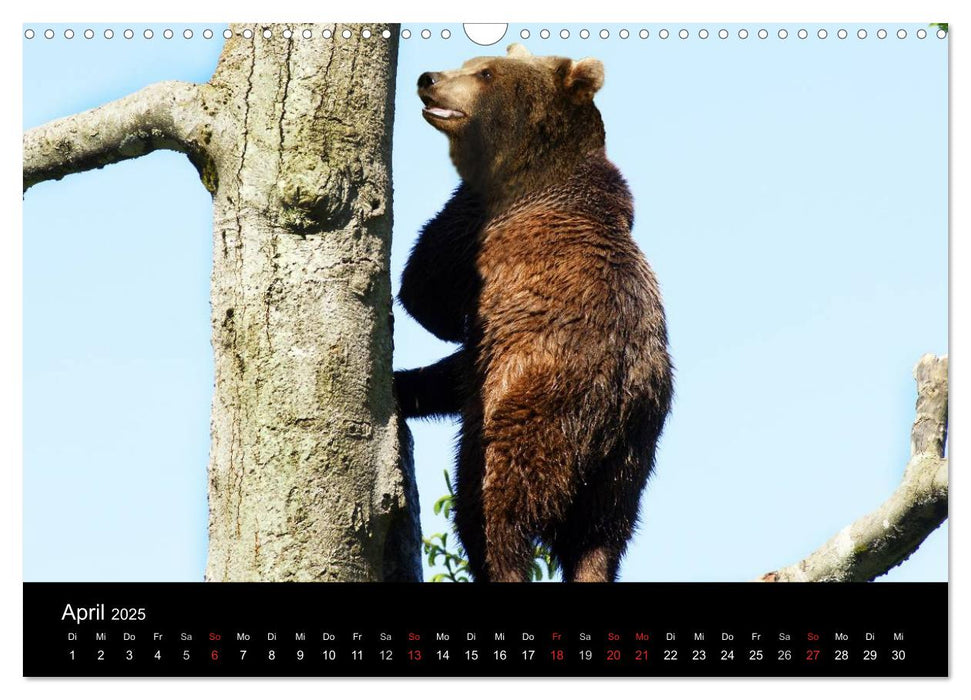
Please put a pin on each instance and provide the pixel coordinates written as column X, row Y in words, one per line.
column 485, row 74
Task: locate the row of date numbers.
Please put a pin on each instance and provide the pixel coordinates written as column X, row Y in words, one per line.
column 500, row 655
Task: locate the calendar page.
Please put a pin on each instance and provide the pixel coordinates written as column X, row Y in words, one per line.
column 485, row 350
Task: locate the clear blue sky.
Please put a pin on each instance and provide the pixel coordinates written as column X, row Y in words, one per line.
column 791, row 196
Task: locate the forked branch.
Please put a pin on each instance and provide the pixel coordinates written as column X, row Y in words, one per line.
column 881, row 540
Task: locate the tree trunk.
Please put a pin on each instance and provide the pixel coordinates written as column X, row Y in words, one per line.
column 305, row 479
column 310, row 474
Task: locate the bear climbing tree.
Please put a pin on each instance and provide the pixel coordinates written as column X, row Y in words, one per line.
column 564, row 381
column 310, row 476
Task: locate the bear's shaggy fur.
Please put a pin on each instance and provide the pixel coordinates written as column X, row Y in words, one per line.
column 563, row 381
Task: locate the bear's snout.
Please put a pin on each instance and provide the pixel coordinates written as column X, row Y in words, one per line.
column 426, row 80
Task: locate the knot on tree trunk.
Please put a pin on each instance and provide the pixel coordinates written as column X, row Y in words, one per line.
column 316, row 199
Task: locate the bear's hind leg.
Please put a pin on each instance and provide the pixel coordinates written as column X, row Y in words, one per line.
column 594, row 535
column 469, row 519
column 596, row 565
column 506, row 507
column 470, row 528
column 509, row 550
column 528, row 484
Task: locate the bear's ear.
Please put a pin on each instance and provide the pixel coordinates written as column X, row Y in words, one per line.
column 517, row 51
column 583, row 79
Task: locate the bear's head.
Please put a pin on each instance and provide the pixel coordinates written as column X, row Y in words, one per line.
column 518, row 121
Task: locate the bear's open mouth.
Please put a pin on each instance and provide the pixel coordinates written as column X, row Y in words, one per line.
column 433, row 109
column 443, row 113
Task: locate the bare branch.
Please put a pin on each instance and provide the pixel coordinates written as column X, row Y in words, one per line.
column 881, row 540
column 165, row 115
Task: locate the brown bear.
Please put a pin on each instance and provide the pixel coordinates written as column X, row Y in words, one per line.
column 563, row 381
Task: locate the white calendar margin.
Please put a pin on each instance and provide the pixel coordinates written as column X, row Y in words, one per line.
column 11, row 615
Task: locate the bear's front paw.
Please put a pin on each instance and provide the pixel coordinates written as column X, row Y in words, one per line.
column 404, row 390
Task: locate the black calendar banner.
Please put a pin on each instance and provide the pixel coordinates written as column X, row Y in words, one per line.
column 341, row 630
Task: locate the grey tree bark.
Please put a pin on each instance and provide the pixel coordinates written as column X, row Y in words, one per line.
column 310, row 473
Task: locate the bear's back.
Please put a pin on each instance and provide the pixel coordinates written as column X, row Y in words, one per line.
column 567, row 294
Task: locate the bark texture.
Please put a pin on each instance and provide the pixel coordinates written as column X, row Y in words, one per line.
column 310, row 474
column 164, row 115
column 879, row 541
